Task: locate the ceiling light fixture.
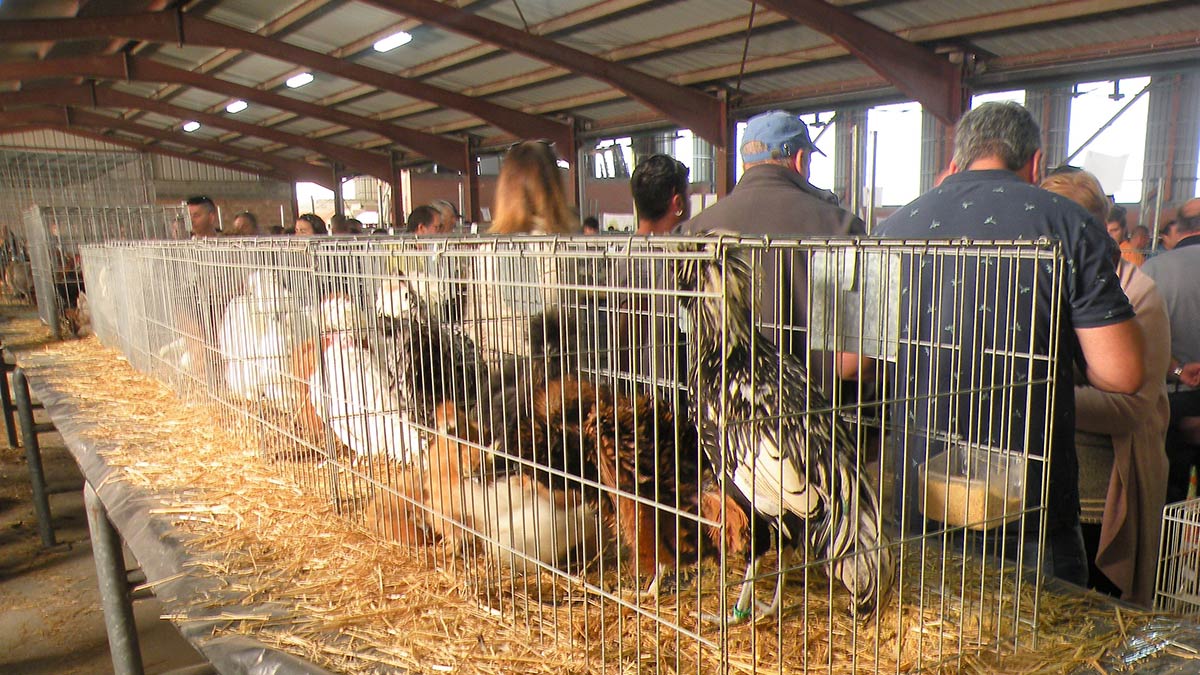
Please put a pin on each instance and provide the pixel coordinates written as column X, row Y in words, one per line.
column 297, row 81
column 191, row 126
column 237, row 106
column 397, row 39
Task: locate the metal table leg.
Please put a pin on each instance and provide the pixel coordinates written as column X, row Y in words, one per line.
column 114, row 588
column 33, row 457
column 6, row 402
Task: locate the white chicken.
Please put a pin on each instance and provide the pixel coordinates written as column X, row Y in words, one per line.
column 517, row 518
column 258, row 333
column 354, row 395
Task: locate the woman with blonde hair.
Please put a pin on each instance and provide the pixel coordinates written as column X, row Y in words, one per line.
column 1120, row 438
column 516, row 280
column 530, row 197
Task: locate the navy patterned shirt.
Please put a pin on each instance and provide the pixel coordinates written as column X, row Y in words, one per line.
column 970, row 323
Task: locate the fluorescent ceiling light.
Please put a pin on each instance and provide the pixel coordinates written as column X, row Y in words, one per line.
column 191, row 126
column 392, row 41
column 300, row 80
column 236, row 106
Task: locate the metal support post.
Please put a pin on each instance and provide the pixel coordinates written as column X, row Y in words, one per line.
column 33, row 457
column 114, row 588
column 6, row 402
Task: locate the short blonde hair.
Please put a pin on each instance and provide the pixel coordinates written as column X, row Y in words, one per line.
column 1082, row 188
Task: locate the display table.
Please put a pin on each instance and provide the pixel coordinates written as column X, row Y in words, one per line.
column 118, row 511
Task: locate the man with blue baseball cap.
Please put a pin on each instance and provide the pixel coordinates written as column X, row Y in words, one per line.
column 774, row 196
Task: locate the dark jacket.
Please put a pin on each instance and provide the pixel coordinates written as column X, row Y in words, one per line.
column 774, row 200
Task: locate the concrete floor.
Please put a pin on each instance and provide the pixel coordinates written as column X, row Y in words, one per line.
column 50, row 617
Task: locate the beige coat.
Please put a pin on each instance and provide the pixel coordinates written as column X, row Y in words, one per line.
column 1137, row 488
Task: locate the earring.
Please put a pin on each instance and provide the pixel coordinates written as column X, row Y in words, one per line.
column 679, row 213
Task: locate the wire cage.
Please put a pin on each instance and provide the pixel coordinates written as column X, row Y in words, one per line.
column 702, row 454
column 1178, row 586
column 53, row 235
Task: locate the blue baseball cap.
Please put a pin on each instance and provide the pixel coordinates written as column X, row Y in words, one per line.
column 780, row 131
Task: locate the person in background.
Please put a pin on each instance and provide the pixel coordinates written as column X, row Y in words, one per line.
column 530, row 197
column 1177, row 273
column 1134, row 249
column 1120, row 437
column 203, row 213
column 660, row 194
column 591, row 225
column 424, row 220
column 354, row 226
column 309, row 224
column 338, row 224
column 991, row 193
column 448, row 213
column 245, row 224
column 1114, row 222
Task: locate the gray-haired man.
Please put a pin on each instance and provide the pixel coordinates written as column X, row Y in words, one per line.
column 990, row 193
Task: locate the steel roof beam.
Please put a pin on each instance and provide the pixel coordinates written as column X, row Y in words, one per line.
column 445, row 151
column 67, row 116
column 186, row 29
column 19, row 121
column 301, row 170
column 90, row 95
column 930, row 79
column 167, row 152
column 691, row 108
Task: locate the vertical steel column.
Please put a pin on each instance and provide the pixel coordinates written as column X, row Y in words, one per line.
column 33, row 456
column 6, row 402
column 470, row 206
column 850, row 156
column 937, row 149
column 339, row 200
column 114, row 588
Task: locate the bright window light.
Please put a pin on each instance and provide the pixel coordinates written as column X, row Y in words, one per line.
column 297, row 81
column 392, row 41
column 236, row 107
column 191, row 126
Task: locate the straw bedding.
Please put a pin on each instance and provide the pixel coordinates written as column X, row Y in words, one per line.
column 298, row 578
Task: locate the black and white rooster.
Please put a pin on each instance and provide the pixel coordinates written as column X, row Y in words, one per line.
column 785, row 452
column 431, row 361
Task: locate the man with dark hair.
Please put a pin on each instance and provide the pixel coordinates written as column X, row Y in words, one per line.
column 591, row 225
column 1115, row 223
column 424, row 220
column 203, row 213
column 660, row 194
column 991, row 194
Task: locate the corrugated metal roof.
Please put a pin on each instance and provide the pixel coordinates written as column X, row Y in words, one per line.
column 697, row 42
column 1181, row 18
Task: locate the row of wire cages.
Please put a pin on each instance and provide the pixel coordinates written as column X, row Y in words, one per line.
column 677, row 454
column 1177, row 588
column 53, row 237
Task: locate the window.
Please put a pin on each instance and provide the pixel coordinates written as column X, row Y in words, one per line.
column 1116, row 155
column 613, row 158
column 1017, row 95
column 898, row 180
